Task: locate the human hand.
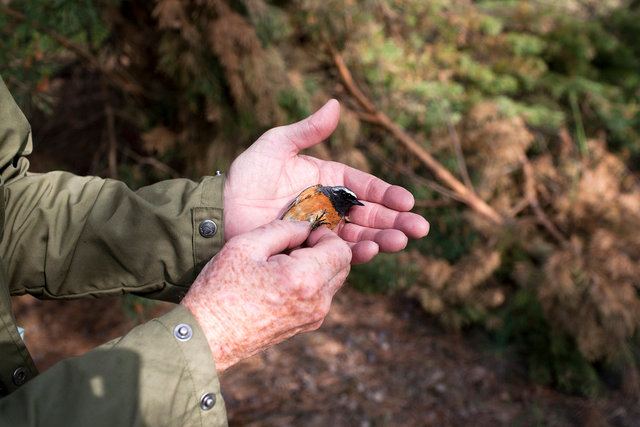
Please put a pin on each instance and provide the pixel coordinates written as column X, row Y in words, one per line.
column 251, row 295
column 264, row 179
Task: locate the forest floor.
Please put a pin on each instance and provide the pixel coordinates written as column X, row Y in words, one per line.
column 377, row 360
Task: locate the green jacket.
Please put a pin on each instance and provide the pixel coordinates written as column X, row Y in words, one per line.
column 64, row 236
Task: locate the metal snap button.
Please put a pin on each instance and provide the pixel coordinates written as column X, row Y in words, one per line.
column 208, row 401
column 207, row 228
column 183, row 332
column 19, row 375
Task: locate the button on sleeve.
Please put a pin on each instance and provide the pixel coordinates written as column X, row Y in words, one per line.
column 207, row 228
column 208, row 221
column 208, row 401
column 183, row 332
column 19, row 376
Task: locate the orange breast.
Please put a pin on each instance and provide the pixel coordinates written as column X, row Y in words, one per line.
column 314, row 207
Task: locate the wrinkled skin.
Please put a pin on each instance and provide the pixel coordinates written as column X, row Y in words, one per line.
column 265, row 286
column 264, row 179
column 251, row 295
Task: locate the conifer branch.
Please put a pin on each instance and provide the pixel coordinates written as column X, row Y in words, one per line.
column 118, row 77
column 65, row 42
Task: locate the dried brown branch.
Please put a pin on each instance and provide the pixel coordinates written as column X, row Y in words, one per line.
column 379, row 118
column 348, row 81
column 429, row 183
column 532, row 198
column 518, row 207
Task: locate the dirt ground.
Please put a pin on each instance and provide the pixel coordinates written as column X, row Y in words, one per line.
column 378, row 360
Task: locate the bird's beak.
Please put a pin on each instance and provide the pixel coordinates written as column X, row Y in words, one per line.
column 359, row 203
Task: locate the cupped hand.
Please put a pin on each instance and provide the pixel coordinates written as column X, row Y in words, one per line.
column 264, row 179
column 252, row 295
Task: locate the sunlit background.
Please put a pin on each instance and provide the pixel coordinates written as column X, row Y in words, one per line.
column 515, row 124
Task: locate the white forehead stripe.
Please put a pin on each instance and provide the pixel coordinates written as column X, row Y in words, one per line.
column 346, row 190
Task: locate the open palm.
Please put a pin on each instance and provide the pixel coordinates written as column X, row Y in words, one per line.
column 264, row 179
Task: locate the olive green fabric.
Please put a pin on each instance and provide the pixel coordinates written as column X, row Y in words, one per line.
column 64, row 236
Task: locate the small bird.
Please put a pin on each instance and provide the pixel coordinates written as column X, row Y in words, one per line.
column 322, row 205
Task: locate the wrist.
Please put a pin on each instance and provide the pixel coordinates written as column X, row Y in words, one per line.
column 221, row 337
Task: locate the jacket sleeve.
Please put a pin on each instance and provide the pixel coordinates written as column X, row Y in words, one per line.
column 67, row 236
column 159, row 374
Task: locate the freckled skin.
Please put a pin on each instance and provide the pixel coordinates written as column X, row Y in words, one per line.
column 251, row 296
column 262, row 287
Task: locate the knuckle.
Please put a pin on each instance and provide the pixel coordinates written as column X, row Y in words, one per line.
column 341, row 254
column 306, row 290
column 272, row 133
column 347, row 255
column 296, row 282
column 232, row 247
column 321, row 312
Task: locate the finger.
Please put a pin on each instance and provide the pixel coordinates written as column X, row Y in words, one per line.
column 389, row 240
column 272, row 238
column 307, row 132
column 317, row 234
column 373, row 215
column 363, row 251
column 370, row 188
column 329, row 254
column 328, row 246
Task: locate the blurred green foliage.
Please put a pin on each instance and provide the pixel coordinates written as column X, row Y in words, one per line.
column 30, row 56
column 210, row 77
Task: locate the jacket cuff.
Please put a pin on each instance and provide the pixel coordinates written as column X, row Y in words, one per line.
column 208, row 221
column 177, row 378
column 161, row 373
column 179, row 354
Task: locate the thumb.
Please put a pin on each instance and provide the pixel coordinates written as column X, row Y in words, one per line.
column 307, row 132
column 274, row 237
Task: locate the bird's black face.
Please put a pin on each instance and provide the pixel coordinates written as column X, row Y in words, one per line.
column 342, row 198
